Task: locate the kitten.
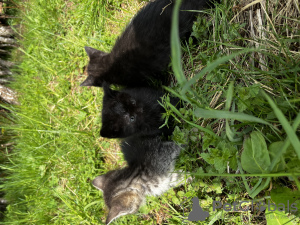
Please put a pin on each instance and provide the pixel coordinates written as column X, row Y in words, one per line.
column 150, row 171
column 132, row 111
column 142, row 52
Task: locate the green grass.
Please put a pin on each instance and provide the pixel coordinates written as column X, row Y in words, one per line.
column 257, row 141
column 240, row 120
column 58, row 149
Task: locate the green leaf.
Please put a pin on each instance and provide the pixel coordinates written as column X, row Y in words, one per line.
column 255, row 157
column 175, row 200
column 180, row 136
column 279, row 218
column 217, row 187
column 229, row 96
column 220, row 164
column 221, row 155
column 209, row 140
column 208, row 158
column 193, row 138
column 293, row 162
column 287, row 197
column 274, row 150
column 180, row 193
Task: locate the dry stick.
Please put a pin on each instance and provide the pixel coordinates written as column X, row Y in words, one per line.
column 4, row 81
column 262, row 35
column 8, row 45
column 4, row 72
column 252, row 34
column 215, row 98
column 8, row 40
column 284, row 11
column 6, row 31
column 262, row 61
column 7, row 16
column 246, row 7
column 237, row 57
column 220, row 126
column 163, row 9
column 4, row 51
column 8, row 95
column 266, row 88
column 3, row 201
column 296, row 2
column 270, row 21
column 7, row 144
column 286, row 8
column 286, row 22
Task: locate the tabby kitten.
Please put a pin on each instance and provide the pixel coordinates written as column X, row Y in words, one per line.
column 142, row 52
column 132, row 111
column 150, row 171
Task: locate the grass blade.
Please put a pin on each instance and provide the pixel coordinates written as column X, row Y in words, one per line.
column 212, row 66
column 286, row 144
column 175, row 45
column 195, row 125
column 218, row 114
column 285, row 124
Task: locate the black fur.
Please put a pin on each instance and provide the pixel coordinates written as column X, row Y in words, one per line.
column 142, row 52
column 150, row 152
column 133, row 111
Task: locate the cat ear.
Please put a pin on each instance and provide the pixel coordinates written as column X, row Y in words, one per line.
column 124, row 204
column 93, row 52
column 99, row 181
column 114, row 213
column 89, row 81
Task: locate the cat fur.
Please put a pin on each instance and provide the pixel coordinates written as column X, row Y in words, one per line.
column 150, row 171
column 142, row 52
column 134, row 111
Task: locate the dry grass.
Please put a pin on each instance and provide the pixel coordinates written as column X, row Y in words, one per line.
column 267, row 22
column 123, row 14
column 271, row 25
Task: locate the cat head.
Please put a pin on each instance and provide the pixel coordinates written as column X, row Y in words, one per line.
column 120, row 198
column 121, row 114
column 96, row 67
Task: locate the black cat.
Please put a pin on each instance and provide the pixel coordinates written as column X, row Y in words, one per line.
column 133, row 111
column 142, row 52
column 150, row 171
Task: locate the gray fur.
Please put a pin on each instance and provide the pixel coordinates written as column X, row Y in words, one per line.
column 150, row 171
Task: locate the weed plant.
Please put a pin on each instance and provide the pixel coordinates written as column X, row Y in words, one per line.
column 238, row 76
column 242, row 117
